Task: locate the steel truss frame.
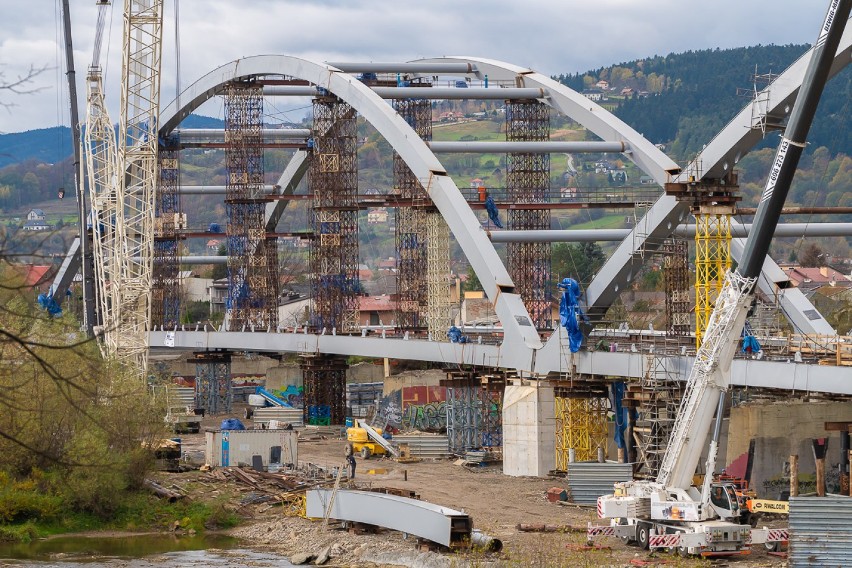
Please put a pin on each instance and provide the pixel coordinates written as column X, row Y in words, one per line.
column 580, row 426
column 676, row 282
column 324, row 380
column 528, row 181
column 333, row 181
column 252, row 257
column 213, row 386
column 411, row 237
column 165, row 294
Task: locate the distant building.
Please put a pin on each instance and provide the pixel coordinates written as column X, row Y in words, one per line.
column 812, row 278
column 213, row 246
column 377, row 216
column 602, row 85
column 35, row 215
column 593, row 94
column 36, row 221
column 376, row 310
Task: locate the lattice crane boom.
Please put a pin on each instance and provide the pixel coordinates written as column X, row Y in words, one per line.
column 137, row 164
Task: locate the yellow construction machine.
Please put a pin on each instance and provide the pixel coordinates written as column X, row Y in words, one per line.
column 362, row 440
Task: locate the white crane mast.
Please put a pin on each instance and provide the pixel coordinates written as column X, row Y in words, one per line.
column 99, row 147
column 137, row 164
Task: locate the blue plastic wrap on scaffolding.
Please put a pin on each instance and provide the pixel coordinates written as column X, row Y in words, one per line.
column 569, row 309
column 616, row 392
column 493, row 212
column 455, row 335
column 231, row 424
column 408, row 241
column 750, row 342
column 48, row 303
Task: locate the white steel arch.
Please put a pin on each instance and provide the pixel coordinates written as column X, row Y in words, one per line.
column 521, row 339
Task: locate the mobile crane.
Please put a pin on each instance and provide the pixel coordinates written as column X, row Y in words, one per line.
column 670, row 512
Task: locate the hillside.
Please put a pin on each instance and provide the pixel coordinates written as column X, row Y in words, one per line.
column 683, row 99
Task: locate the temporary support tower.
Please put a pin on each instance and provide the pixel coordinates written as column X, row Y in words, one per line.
column 333, row 181
column 527, row 182
column 474, row 411
column 411, row 231
column 168, row 220
column 580, row 425
column 325, row 389
column 252, row 257
column 213, row 385
column 712, row 201
column 676, row 282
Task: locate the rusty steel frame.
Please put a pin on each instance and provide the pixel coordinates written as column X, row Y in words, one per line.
column 676, row 282
column 324, row 380
column 528, row 182
column 252, row 257
column 333, row 182
column 165, row 293
column 411, row 237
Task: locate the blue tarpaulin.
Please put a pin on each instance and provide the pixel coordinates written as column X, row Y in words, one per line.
column 750, row 343
column 455, row 335
column 493, row 213
column 616, row 391
column 48, row 303
column 232, row 424
column 568, row 312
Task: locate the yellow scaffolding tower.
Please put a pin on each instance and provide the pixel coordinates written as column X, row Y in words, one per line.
column 712, row 261
column 581, row 426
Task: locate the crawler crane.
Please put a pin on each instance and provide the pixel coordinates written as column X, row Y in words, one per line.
column 669, row 512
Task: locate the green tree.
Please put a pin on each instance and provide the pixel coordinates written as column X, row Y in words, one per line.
column 220, row 270
column 579, row 261
column 473, row 282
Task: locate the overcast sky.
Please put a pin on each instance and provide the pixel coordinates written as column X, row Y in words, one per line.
column 551, row 36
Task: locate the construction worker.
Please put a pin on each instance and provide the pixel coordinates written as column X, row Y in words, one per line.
column 350, row 460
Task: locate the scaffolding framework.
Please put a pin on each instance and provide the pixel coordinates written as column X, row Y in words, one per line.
column 474, row 412
column 324, row 389
column 411, row 232
column 656, row 399
column 213, row 386
column 333, row 181
column 580, row 426
column 168, row 219
column 252, row 300
column 712, row 262
column 439, row 317
column 528, row 182
column 676, row 281
column 712, row 202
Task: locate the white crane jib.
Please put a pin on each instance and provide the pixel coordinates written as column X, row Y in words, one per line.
column 137, row 165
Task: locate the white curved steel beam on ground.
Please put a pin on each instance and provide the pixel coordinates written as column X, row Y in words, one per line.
column 552, row 358
column 520, row 337
column 410, row 516
column 667, row 213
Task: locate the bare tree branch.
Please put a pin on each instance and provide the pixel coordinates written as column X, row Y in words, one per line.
column 21, row 85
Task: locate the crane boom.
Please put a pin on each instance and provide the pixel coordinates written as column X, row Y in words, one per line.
column 710, row 375
column 137, row 168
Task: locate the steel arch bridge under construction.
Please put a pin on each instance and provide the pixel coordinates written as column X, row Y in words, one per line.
column 521, row 349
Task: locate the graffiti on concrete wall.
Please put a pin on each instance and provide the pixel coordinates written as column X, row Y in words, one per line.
column 414, row 408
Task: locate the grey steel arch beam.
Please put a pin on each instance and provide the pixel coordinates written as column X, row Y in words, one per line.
column 604, row 124
column 520, row 337
column 667, row 213
column 454, row 93
column 492, row 147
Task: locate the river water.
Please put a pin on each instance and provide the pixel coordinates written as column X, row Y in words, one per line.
column 145, row 551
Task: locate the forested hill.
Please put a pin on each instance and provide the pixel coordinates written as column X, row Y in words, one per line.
column 683, row 99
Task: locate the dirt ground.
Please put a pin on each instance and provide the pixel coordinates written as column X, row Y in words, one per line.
column 496, row 502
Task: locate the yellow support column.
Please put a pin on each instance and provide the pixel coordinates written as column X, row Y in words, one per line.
column 712, row 261
column 581, row 426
